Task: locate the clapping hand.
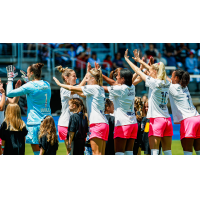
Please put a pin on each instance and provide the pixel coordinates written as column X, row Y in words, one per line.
column 126, row 54
column 18, row 84
column 89, row 67
column 151, row 61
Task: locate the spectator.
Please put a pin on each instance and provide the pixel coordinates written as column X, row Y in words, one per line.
column 117, row 62
column 93, row 59
column 198, row 54
column 161, row 59
column 169, row 52
column 182, row 52
column 151, row 51
column 194, row 46
column 108, row 60
column 81, row 48
column 192, row 65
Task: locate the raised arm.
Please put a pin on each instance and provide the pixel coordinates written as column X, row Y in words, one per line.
column 137, row 59
column 134, row 67
column 68, row 87
column 83, row 82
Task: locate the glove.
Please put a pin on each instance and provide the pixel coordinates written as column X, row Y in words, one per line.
column 24, row 76
column 11, row 72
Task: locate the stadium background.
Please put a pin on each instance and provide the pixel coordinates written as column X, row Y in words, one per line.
column 108, row 55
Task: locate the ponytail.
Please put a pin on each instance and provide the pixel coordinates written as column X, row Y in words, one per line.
column 160, row 67
column 183, row 76
column 97, row 74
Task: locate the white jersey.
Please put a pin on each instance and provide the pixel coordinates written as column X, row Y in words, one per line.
column 123, row 98
column 65, row 96
column 2, row 112
column 181, row 103
column 95, row 100
column 157, row 97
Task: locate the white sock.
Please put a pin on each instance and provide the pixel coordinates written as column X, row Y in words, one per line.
column 167, row 152
column 128, row 153
column 187, row 153
column 198, row 152
column 119, row 153
column 154, row 151
column 36, row 152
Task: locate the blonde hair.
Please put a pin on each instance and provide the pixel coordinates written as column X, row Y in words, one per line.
column 13, row 118
column 97, row 74
column 48, row 128
column 65, row 71
column 160, row 68
column 138, row 108
column 144, row 112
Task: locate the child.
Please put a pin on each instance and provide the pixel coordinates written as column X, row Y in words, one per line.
column 138, row 112
column 48, row 140
column 78, row 127
column 13, row 131
column 109, row 109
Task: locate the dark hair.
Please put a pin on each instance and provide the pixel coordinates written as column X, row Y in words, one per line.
column 114, row 73
column 36, row 69
column 183, row 76
column 108, row 103
column 127, row 75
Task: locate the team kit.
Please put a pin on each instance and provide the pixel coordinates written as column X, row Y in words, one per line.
column 101, row 126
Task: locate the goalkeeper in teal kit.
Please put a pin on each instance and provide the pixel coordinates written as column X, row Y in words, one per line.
column 38, row 93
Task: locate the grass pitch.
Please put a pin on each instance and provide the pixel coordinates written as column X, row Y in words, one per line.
column 176, row 149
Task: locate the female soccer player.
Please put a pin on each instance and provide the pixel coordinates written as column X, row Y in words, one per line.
column 184, row 112
column 125, row 121
column 160, row 122
column 38, row 93
column 95, row 97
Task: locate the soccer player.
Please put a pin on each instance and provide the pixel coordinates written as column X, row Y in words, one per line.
column 160, row 122
column 126, row 127
column 184, row 112
column 95, row 97
column 38, row 93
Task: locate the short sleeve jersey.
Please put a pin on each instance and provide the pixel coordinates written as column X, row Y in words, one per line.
column 65, row 114
column 181, row 103
column 2, row 112
column 95, row 100
column 157, row 97
column 124, row 97
column 38, row 94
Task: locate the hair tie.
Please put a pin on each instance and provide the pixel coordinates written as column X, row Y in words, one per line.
column 158, row 63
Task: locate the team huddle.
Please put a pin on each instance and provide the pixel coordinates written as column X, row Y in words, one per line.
column 100, row 126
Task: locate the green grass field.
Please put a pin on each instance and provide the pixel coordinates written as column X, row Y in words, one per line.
column 176, row 149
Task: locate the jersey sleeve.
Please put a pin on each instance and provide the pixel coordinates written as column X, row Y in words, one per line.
column 150, row 82
column 88, row 90
column 72, row 124
column 2, row 131
column 115, row 90
column 23, row 90
column 173, row 90
column 43, row 142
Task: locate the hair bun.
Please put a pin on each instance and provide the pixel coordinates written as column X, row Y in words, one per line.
column 39, row 65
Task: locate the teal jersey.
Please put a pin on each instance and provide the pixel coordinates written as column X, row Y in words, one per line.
column 38, row 94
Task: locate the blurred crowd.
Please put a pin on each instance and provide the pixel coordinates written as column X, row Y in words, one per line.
column 180, row 55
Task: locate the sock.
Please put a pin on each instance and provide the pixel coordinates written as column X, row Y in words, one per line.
column 198, row 152
column 187, row 153
column 119, row 153
column 36, row 152
column 128, row 153
column 160, row 151
column 167, row 152
column 154, row 151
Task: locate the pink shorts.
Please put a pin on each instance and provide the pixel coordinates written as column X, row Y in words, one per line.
column 100, row 130
column 190, row 127
column 160, row 127
column 0, row 141
column 62, row 131
column 126, row 131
